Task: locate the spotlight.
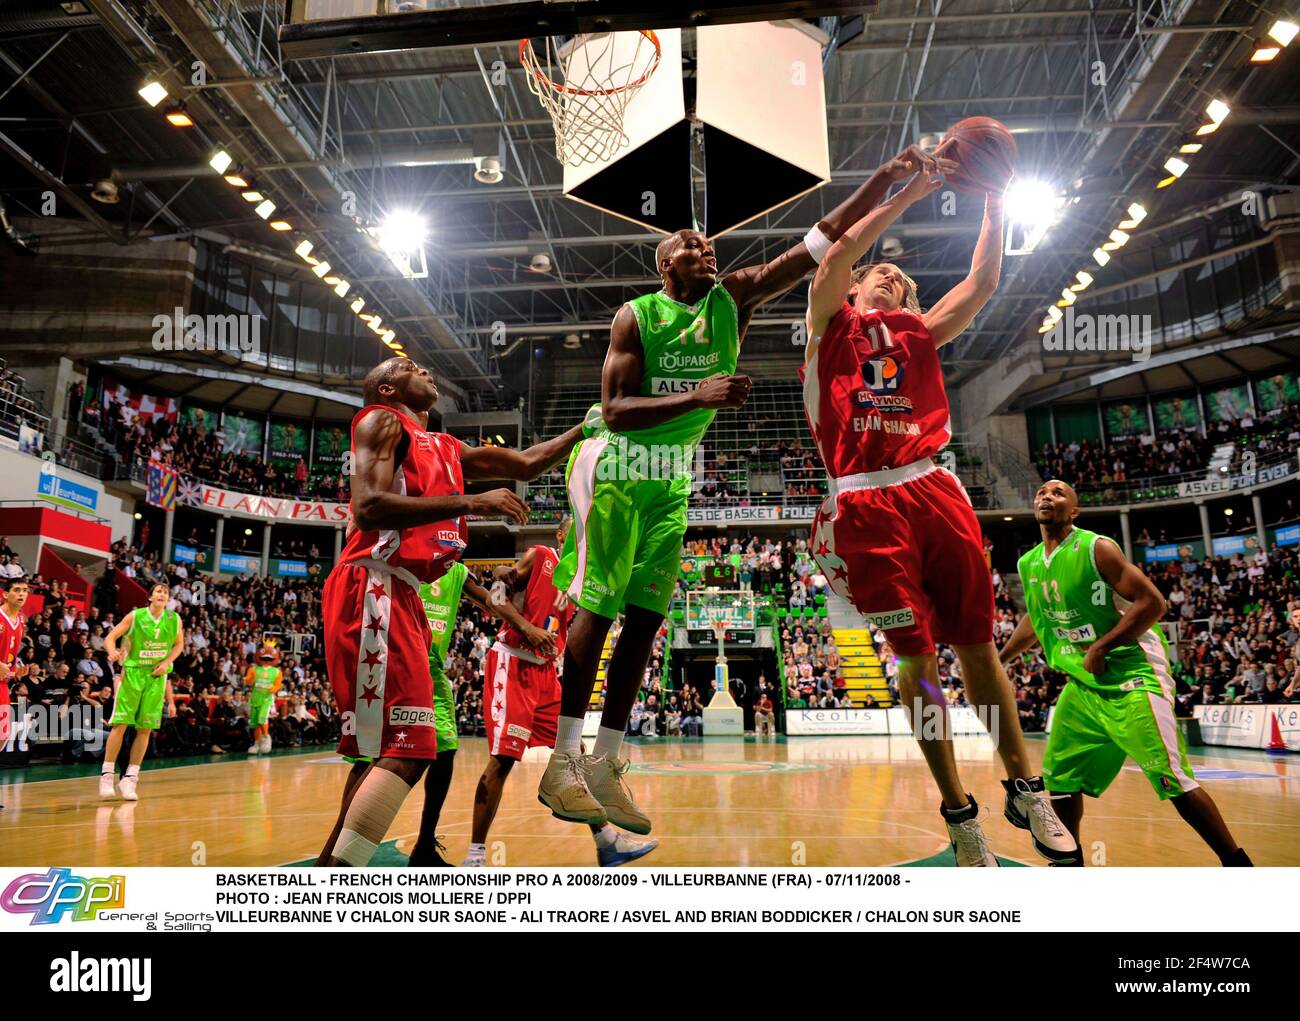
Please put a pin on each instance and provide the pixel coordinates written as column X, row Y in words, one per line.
column 1176, row 166
column 1084, row 281
column 1118, row 238
column 178, row 118
column 1032, row 206
column 1190, row 148
column 1054, row 314
column 1068, row 298
column 358, row 304
column 1101, row 256
column 1217, row 110
column 265, row 208
column 221, row 161
column 1283, row 32
column 238, row 179
column 1264, row 54
column 1206, row 129
column 303, row 249
column 252, row 196
column 332, row 280
column 320, row 269
column 153, row 92
column 280, row 225
column 1166, row 182
column 401, row 232
column 1136, row 214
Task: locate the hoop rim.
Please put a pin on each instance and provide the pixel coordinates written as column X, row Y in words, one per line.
column 528, row 58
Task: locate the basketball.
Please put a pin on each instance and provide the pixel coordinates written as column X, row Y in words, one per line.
column 985, row 152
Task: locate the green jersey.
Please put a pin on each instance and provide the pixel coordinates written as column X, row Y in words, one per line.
column 150, row 640
column 1071, row 606
column 684, row 344
column 264, row 678
column 441, row 601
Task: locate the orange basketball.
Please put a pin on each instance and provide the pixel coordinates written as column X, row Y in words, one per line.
column 985, row 153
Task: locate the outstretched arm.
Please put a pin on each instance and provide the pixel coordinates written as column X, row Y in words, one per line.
column 754, row 285
column 831, row 283
column 521, row 465
column 622, row 405
column 374, row 504
column 957, row 309
column 1022, row 640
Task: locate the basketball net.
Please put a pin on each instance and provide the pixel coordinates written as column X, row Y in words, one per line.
column 585, row 85
column 721, row 676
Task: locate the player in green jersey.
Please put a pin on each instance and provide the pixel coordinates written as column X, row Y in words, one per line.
column 1095, row 615
column 154, row 638
column 263, row 679
column 670, row 366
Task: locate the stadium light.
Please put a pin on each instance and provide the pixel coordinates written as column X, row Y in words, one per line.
column 265, row 208
column 1068, row 298
column 1190, row 148
column 221, row 161
column 1283, row 31
column 1217, row 111
column 152, row 92
column 1054, row 314
column 1101, row 256
column 341, row 288
column 1175, row 166
column 321, row 268
column 358, row 304
column 1083, row 281
column 1264, row 54
column 1166, row 182
column 280, row 225
column 238, row 179
column 178, row 118
column 1118, row 239
column 401, row 236
column 304, row 248
column 252, row 196
column 1136, row 214
column 1034, row 206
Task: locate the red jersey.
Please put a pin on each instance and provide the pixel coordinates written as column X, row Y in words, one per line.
column 545, row 606
column 873, row 392
column 429, row 467
column 11, row 638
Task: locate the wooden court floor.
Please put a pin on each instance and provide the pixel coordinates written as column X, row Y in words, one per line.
column 830, row 801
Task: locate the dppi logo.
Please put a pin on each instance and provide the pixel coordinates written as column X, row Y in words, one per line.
column 882, row 375
column 49, row 897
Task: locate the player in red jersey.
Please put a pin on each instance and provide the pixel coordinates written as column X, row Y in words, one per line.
column 11, row 643
column 521, row 689
column 409, row 507
column 896, row 534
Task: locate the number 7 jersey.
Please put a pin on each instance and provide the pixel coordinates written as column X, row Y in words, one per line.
column 873, row 392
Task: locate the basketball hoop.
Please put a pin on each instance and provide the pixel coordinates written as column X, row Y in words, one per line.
column 585, row 85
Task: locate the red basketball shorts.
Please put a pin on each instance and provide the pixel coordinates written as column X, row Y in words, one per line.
column 5, row 713
column 523, row 703
column 905, row 548
column 377, row 655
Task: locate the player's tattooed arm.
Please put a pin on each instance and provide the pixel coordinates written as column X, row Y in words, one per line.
column 1148, row 605
column 754, row 285
column 375, row 506
column 957, row 309
column 621, row 404
column 1022, row 640
column 520, row 465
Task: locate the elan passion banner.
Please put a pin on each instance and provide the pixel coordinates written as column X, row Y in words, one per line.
column 270, row 508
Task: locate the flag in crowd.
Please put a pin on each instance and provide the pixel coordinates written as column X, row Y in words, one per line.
column 146, row 406
column 160, row 488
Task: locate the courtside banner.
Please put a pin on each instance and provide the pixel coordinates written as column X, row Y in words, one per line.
column 83, row 900
column 1242, row 726
column 962, row 720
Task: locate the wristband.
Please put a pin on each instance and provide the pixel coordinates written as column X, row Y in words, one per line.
column 818, row 243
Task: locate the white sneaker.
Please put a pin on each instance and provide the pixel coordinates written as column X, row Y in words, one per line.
column 266, row 743
column 968, row 841
column 255, row 747
column 106, row 785
column 623, row 850
column 1029, row 807
column 474, row 861
column 126, row 787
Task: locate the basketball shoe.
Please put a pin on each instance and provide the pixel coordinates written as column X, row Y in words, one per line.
column 968, row 841
column 605, row 782
column 623, row 850
column 1029, row 807
column 126, row 788
column 564, row 790
column 107, row 788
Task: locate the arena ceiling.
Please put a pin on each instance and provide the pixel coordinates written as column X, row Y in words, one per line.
column 314, row 130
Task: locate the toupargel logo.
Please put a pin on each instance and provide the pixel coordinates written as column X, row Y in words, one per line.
column 47, row 898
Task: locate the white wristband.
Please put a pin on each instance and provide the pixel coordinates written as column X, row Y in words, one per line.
column 818, row 243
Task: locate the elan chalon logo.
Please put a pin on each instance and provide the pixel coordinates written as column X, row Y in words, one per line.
column 56, row 893
column 77, row 974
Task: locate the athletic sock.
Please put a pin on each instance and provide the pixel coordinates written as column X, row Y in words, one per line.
column 608, row 742
column 108, row 769
column 568, row 735
column 133, row 772
column 476, row 851
column 606, row 836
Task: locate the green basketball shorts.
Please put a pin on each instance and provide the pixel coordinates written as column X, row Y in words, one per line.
column 1094, row 733
column 625, row 547
column 139, row 701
